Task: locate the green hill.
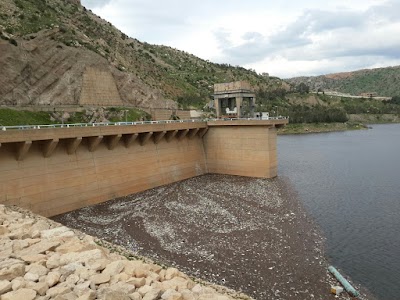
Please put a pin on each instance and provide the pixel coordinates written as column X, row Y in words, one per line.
column 383, row 81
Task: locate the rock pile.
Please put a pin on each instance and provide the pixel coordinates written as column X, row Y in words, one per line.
column 40, row 259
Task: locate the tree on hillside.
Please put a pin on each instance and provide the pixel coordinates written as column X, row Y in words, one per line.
column 394, row 100
column 303, row 88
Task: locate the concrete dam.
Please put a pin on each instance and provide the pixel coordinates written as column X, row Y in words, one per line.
column 55, row 170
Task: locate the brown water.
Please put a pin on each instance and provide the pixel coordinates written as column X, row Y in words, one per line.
column 350, row 183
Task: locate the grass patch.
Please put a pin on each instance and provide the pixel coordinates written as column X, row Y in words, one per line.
column 77, row 117
column 35, row 16
column 10, row 117
column 131, row 115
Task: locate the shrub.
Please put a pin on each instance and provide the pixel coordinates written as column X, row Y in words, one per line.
column 3, row 37
column 13, row 42
column 63, row 29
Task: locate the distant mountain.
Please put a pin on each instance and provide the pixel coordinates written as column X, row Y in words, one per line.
column 383, row 81
column 58, row 52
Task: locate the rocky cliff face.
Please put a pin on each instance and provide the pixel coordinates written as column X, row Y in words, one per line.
column 51, row 49
column 44, row 71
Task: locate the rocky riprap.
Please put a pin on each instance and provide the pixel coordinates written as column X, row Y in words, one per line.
column 41, row 259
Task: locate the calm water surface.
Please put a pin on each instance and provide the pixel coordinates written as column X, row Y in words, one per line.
column 350, row 183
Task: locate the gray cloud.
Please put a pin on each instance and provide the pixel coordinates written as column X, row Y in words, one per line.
column 330, row 40
column 388, row 11
column 349, row 31
column 251, row 36
column 223, row 37
column 316, row 21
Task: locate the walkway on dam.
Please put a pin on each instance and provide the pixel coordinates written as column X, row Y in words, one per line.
column 72, row 125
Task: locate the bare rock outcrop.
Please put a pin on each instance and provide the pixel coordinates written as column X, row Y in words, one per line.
column 42, row 71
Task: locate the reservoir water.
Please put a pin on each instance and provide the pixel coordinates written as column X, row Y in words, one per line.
column 350, row 184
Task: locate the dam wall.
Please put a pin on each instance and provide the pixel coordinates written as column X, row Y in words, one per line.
column 245, row 148
column 55, row 170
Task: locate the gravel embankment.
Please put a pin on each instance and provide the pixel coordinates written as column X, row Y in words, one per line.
column 247, row 234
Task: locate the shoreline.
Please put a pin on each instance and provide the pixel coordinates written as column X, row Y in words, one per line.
column 307, row 128
column 252, row 235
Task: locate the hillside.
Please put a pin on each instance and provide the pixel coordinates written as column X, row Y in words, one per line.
column 57, row 52
column 383, row 81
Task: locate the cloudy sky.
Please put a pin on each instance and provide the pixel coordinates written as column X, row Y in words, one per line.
column 284, row 38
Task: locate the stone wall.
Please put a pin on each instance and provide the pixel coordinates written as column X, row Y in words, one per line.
column 62, row 182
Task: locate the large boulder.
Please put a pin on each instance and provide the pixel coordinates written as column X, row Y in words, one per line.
column 5, row 286
column 22, row 294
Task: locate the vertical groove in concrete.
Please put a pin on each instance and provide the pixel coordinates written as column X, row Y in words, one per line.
column 93, row 142
column 73, row 144
column 158, row 136
column 129, row 139
column 202, row 132
column 170, row 135
column 112, row 141
column 145, row 137
column 182, row 134
column 49, row 146
column 193, row 133
column 22, row 149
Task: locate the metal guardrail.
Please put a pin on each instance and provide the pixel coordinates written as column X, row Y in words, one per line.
column 26, row 127
column 253, row 119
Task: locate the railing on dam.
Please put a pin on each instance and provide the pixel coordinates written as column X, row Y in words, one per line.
column 74, row 125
